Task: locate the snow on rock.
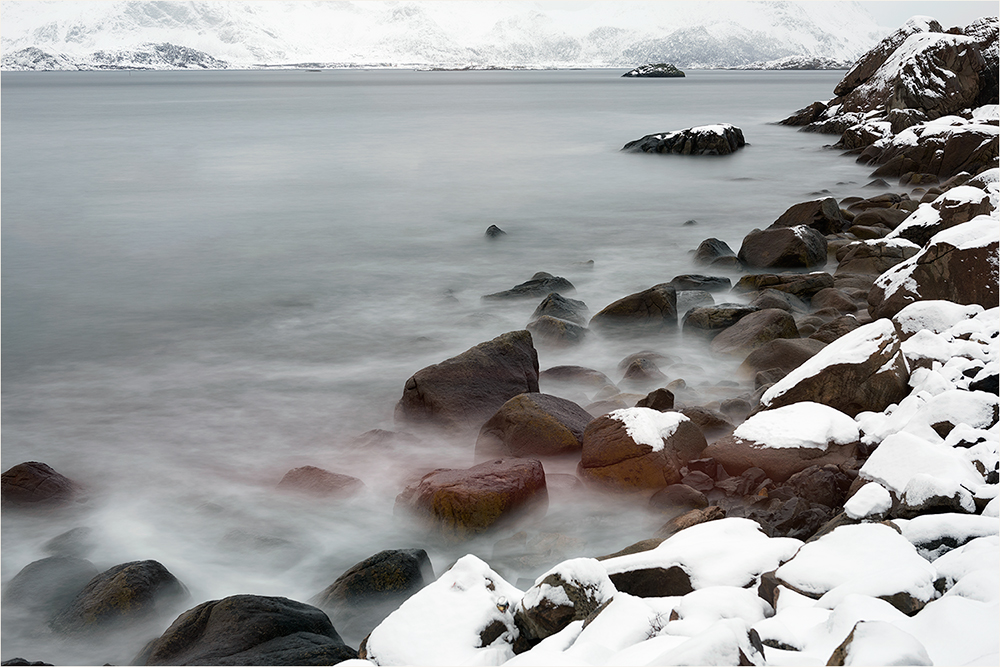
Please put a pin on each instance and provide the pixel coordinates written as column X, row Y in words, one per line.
column 868, row 559
column 957, row 631
column 880, row 643
column 903, row 456
column 935, row 315
column 727, row 552
column 569, row 592
column 805, row 424
column 871, row 501
column 977, row 555
column 700, row 609
column 447, row 621
column 649, row 427
column 726, row 642
column 936, row 534
column 716, row 139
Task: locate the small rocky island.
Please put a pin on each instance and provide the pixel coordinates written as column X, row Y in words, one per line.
column 660, row 70
column 719, row 139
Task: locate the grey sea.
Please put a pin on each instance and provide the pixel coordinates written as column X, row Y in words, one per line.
column 210, row 278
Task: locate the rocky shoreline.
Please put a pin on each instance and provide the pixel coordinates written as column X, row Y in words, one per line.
column 844, row 511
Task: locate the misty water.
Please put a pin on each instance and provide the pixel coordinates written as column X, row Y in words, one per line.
column 210, row 278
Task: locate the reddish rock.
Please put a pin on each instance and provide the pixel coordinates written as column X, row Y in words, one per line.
column 463, row 503
column 738, row 455
column 315, row 481
column 755, row 330
column 463, row 392
column 533, row 425
column 613, row 457
column 36, row 484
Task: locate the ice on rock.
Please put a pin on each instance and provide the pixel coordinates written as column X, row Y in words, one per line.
column 871, row 500
column 869, row 559
column 903, row 456
column 441, row 624
column 881, row 643
column 804, row 424
column 727, row 552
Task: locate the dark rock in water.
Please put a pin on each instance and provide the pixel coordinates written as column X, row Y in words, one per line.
column 123, row 594
column 320, row 483
column 35, row 484
column 464, row 503
column 248, row 630
column 699, row 282
column 802, row 285
column 711, row 423
column 690, row 518
column 369, row 591
column 806, row 115
column 659, row 399
column 541, row 284
column 721, row 139
column 659, row 70
column 688, row 299
column 784, row 353
column 678, row 498
column 650, row 355
column 641, row 373
column 77, row 542
column 688, row 223
column 21, row 662
column 48, row 585
column 576, row 375
column 466, row 390
column 551, row 331
column 711, row 249
column 533, row 425
column 784, row 248
column 755, row 330
column 710, row 320
column 650, row 311
column 823, row 215
column 736, row 409
column 494, row 232
column 556, row 305
column 382, row 439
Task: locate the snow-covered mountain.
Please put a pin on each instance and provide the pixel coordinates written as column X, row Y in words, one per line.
column 445, row 33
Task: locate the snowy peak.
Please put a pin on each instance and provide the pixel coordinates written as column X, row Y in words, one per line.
column 440, row 33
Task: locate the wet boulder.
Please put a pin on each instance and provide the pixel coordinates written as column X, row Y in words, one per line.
column 34, row 484
column 661, row 399
column 711, row 423
column 755, row 330
column 494, row 232
column 802, row 285
column 783, row 248
column 784, row 353
column 558, row 306
column 463, row 392
column 320, row 483
column 540, row 284
column 710, row 320
column 463, row 503
column 823, row 215
column 863, row 370
column 710, row 250
column 650, row 311
column 678, row 499
column 721, row 139
column 787, row 440
column 693, row 281
column 370, row 590
column 642, row 373
column 551, row 331
column 834, row 298
column 124, row 594
column 958, row 264
column 875, row 257
column 772, row 298
column 248, row 630
column 638, row 448
column 835, row 328
column 46, row 586
column 571, row 591
column 533, row 424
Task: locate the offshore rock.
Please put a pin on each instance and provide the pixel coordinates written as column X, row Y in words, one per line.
column 552, row 331
column 248, row 630
column 464, row 503
column 660, row 70
column 712, row 249
column 540, row 284
column 556, row 305
column 464, row 391
column 35, row 484
column 720, row 139
column 320, row 483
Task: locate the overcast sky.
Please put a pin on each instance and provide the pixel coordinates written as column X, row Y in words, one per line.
column 893, row 13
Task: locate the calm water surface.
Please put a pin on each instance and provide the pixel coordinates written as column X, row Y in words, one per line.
column 210, row 278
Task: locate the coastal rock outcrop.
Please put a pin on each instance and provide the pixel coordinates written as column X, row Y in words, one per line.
column 463, row 392
column 659, row 70
column 720, row 139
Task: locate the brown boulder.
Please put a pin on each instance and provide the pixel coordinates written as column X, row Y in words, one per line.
column 874, row 257
column 650, row 311
column 802, row 285
column 948, row 210
column 711, row 423
column 561, row 598
column 554, row 332
column 691, row 518
column 661, row 399
column 860, row 371
column 464, row 391
column 558, row 306
column 784, row 248
column 832, row 297
column 870, row 62
column 834, row 329
column 710, row 320
column 958, row 264
column 533, row 425
column 755, row 330
column 710, row 250
column 772, row 298
column 784, row 353
column 823, row 215
column 464, row 503
column 639, row 448
column 35, row 484
column 321, row 483
column 888, row 217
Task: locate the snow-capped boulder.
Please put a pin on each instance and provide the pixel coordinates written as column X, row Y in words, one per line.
column 659, row 70
column 950, row 209
column 943, row 147
column 879, row 643
column 533, row 424
column 463, row 392
column 933, row 315
column 870, row 559
column 958, row 264
column 871, row 502
column 787, row 440
column 783, row 248
column 875, row 257
column 650, row 311
column 860, row 371
column 463, row 503
column 466, row 617
column 873, row 60
column 639, row 448
column 934, row 535
column 719, row 139
column 977, row 555
column 569, row 592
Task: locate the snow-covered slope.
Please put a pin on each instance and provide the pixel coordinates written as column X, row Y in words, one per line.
column 437, row 32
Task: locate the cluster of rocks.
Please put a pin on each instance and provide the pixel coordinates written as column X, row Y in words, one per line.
column 659, row 70
column 719, row 139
